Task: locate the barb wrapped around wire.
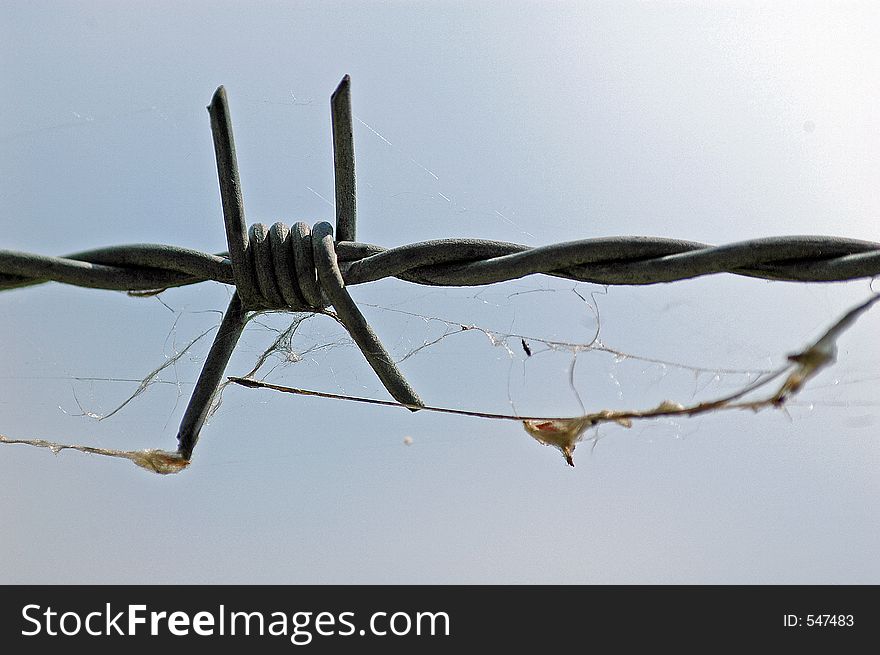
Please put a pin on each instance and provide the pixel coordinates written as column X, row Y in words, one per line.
column 304, row 269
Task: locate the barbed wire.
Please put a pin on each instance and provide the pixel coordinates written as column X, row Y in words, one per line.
column 470, row 262
column 302, row 268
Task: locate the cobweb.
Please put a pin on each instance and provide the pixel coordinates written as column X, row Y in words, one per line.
column 518, row 349
column 562, row 358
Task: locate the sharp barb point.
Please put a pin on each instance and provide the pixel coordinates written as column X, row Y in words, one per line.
column 343, row 161
column 219, row 96
column 342, row 86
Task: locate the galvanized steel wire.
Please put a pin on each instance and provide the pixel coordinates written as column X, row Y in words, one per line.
column 471, row 262
column 304, row 269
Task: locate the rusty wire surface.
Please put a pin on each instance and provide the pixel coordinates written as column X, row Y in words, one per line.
column 302, row 268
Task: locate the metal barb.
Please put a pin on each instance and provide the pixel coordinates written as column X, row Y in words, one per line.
column 294, row 269
column 354, row 321
column 264, row 261
column 230, row 194
column 199, row 406
column 343, row 161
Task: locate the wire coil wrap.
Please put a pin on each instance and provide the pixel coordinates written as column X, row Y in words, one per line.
column 281, row 263
column 298, row 268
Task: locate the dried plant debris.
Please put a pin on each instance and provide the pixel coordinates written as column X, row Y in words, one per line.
column 562, row 433
column 565, row 433
column 821, row 354
column 157, row 461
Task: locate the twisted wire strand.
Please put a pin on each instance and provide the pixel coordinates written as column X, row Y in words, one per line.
column 293, row 270
column 446, row 262
column 300, row 268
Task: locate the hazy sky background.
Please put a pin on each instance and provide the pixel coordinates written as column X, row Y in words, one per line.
column 533, row 123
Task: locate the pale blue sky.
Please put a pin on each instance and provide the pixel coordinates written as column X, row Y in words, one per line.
column 531, row 122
